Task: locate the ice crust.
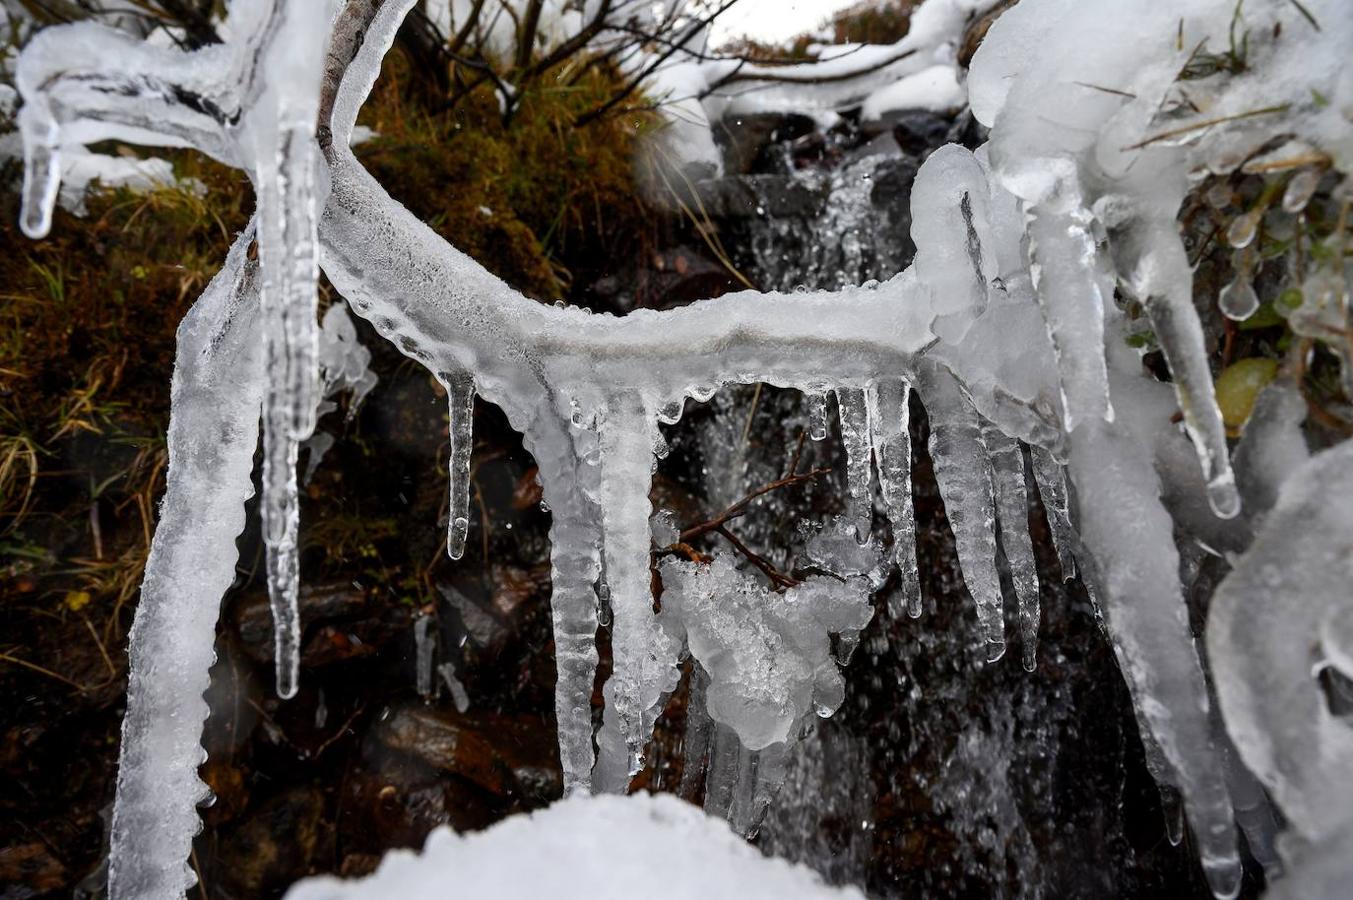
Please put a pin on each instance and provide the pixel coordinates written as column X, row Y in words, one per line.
column 1004, row 327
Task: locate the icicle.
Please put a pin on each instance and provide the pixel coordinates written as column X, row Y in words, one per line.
column 965, row 484
column 281, row 524
column 1152, row 253
column 644, row 655
column 1126, row 528
column 697, row 745
column 855, row 435
column 1007, row 478
column 460, row 392
column 288, row 257
column 42, row 168
column 1272, row 445
column 760, row 777
column 817, row 415
column 1063, row 252
column 424, row 651
column 213, row 432
column 1240, row 234
column 459, row 696
column 890, row 434
column 1051, row 479
column 721, row 779
column 575, row 535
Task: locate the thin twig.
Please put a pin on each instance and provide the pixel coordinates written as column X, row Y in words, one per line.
column 739, row 508
column 778, row 578
column 107, row 660
column 5, row 657
column 342, row 729
column 798, row 452
column 1208, row 123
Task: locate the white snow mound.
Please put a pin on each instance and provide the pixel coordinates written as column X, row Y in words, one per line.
column 654, row 846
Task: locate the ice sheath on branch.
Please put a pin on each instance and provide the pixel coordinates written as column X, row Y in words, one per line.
column 218, row 388
column 985, row 325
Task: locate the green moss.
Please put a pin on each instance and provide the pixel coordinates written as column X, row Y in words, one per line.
column 532, row 200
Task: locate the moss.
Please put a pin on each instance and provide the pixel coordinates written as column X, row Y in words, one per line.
column 534, row 201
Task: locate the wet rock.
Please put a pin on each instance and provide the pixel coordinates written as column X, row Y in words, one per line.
column 509, row 757
column 273, row 845
column 482, row 626
column 747, row 196
column 918, row 131
column 683, row 275
column 27, row 870
column 745, row 138
column 340, row 622
column 884, row 145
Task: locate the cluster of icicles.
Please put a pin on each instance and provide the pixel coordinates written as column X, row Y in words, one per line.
column 1005, row 326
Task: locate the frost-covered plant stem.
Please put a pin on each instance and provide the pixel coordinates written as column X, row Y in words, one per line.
column 217, row 391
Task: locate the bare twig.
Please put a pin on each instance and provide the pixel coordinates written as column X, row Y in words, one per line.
column 778, row 578
column 34, row 667
column 1208, row 123
column 739, row 508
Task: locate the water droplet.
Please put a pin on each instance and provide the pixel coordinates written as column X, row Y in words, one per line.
column 1238, row 299
column 1301, row 189
column 1219, row 196
column 1244, row 227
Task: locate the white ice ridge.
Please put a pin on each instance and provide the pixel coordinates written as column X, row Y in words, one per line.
column 1005, row 326
column 586, row 848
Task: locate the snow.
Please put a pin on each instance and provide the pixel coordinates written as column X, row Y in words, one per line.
column 590, row 848
column 935, row 89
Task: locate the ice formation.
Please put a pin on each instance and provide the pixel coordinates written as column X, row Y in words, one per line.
column 1006, row 328
column 588, row 848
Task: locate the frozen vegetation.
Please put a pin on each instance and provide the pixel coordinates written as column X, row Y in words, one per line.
column 1008, row 327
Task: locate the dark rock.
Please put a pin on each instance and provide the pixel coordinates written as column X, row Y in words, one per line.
column 772, row 196
column 339, row 620
column 274, row 845
column 744, row 139
column 506, row 756
column 27, row 870
column 884, row 145
column 918, row 131
column 683, row 275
